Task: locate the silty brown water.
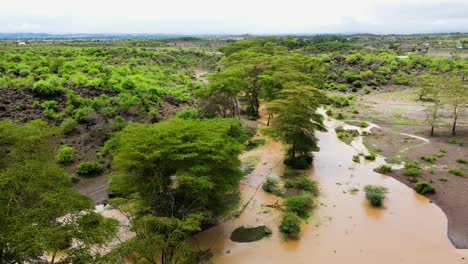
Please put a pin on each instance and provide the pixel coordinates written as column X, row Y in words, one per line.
column 343, row 228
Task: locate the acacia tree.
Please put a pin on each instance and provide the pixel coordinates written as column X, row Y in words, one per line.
column 455, row 94
column 433, row 86
column 39, row 212
column 178, row 172
column 296, row 121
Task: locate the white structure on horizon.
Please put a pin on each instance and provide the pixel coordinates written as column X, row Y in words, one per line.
column 21, row 43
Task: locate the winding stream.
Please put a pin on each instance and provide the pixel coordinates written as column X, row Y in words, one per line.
column 343, row 228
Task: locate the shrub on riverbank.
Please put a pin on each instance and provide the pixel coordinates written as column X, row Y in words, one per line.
column 384, row 168
column 423, row 187
column 412, row 169
column 89, row 168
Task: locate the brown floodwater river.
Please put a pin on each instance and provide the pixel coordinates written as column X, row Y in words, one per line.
column 343, row 227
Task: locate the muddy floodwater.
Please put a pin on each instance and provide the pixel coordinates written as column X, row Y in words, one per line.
column 343, row 227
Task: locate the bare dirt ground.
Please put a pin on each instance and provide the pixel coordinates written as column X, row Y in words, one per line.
column 399, row 114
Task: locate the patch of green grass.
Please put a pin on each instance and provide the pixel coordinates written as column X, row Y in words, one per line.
column 399, row 110
column 462, row 160
column 457, row 172
column 429, row 159
column 443, row 179
column 412, row 169
column 251, row 144
column 457, row 142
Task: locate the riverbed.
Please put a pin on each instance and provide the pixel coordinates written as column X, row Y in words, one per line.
column 344, row 228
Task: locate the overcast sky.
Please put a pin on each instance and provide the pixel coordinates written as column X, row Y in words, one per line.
column 233, row 16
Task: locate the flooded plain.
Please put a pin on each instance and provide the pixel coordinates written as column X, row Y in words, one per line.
column 343, row 227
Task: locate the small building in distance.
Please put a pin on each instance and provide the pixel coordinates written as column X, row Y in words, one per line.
column 21, row 43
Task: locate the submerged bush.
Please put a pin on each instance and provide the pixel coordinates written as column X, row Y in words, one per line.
column 89, row 168
column 303, row 183
column 356, row 158
column 370, row 156
column 423, row 187
column 300, row 205
column 271, row 185
column 290, row 224
column 301, row 162
column 375, row 194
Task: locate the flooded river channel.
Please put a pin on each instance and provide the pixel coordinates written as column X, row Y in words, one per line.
column 343, row 228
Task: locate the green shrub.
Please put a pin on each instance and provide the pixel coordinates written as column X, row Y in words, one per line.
column 118, row 123
column 443, row 179
column 300, row 204
column 89, row 168
column 68, row 126
column 357, row 84
column 187, row 114
column 329, row 112
column 356, row 158
column 342, row 87
column 440, row 154
column 456, row 172
column 65, row 154
column 251, row 144
column 457, row 142
column 290, row 224
column 384, row 168
column 461, row 160
column 375, row 194
column 303, row 183
column 429, row 159
column 423, row 187
column 363, row 124
column 412, row 169
column 84, row 114
column 301, row 162
column 270, row 185
column 370, row 156
column 49, row 87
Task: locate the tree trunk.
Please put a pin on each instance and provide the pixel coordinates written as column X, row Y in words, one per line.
column 432, row 130
column 454, row 125
column 268, row 122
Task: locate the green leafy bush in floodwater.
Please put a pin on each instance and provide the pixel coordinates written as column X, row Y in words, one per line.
column 356, row 158
column 456, row 172
column 271, row 185
column 303, row 183
column 370, row 156
column 412, row 169
column 384, row 168
column 290, row 224
column 300, row 204
column 423, row 187
column 65, row 154
column 89, row 168
column 375, row 194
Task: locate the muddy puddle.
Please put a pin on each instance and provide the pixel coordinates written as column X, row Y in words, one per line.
column 343, row 227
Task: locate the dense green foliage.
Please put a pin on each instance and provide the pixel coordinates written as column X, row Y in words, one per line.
column 290, row 224
column 88, row 168
column 174, row 175
column 39, row 212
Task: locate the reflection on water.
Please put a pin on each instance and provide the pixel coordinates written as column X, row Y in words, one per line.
column 344, row 228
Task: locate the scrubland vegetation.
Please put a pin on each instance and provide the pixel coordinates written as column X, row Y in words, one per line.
column 163, row 124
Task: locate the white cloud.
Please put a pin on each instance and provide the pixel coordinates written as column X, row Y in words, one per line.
column 240, row 16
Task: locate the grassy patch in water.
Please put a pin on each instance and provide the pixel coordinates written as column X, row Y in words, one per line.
column 250, row 234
